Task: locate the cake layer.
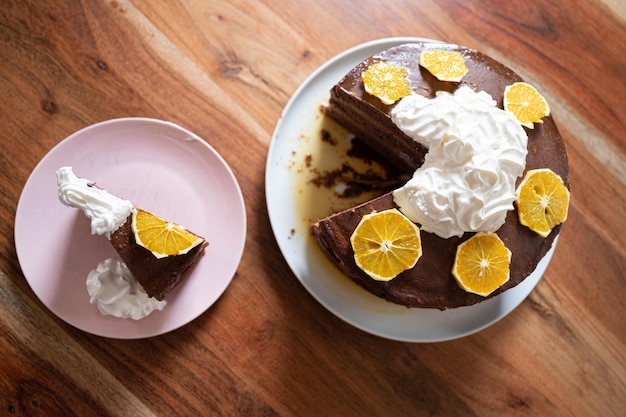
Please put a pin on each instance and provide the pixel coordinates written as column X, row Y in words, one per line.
column 430, row 283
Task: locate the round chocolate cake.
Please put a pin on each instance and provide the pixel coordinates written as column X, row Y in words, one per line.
column 430, row 283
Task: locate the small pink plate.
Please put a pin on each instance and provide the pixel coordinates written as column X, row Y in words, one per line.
column 158, row 166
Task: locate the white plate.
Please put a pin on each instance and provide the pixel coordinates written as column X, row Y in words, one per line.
column 285, row 193
column 158, row 166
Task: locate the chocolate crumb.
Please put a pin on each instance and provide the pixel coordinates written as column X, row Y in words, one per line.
column 328, row 138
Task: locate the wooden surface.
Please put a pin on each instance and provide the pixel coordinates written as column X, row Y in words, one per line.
column 225, row 70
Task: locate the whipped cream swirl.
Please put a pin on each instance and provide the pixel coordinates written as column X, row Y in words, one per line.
column 117, row 293
column 476, row 153
column 106, row 211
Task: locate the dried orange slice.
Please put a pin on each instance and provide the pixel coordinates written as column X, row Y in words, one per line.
column 525, row 103
column 161, row 237
column 386, row 243
column 386, row 81
column 542, row 201
column 443, row 64
column 482, row 264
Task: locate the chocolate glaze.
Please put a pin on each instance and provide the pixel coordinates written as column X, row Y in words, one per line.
column 430, row 283
column 157, row 276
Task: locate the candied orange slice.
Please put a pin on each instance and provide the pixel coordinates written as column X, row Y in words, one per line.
column 542, row 201
column 443, row 64
column 161, row 237
column 482, row 264
column 386, row 243
column 525, row 103
column 387, row 81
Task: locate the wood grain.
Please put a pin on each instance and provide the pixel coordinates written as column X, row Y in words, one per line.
column 225, row 70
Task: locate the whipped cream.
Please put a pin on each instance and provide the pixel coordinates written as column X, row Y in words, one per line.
column 106, row 211
column 117, row 293
column 476, row 153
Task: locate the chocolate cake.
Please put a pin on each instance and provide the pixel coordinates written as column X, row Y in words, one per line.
column 111, row 216
column 157, row 276
column 430, row 284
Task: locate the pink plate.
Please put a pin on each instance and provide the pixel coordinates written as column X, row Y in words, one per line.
column 158, row 166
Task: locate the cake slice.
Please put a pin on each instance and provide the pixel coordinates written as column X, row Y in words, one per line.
column 158, row 268
column 431, row 284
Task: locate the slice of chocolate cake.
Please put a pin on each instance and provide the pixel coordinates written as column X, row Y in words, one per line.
column 157, row 272
column 430, row 284
column 157, row 276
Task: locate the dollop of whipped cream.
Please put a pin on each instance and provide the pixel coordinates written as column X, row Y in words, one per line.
column 106, row 211
column 117, row 293
column 476, row 153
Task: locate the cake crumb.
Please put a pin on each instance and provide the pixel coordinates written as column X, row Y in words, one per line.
column 328, row 138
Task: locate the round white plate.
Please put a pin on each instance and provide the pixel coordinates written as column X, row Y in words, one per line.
column 156, row 165
column 348, row 301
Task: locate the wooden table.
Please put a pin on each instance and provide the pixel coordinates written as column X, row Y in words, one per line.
column 225, row 70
